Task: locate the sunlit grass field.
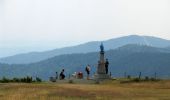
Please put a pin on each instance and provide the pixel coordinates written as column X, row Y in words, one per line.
column 110, row 90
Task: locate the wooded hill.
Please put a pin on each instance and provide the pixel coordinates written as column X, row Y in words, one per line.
column 131, row 59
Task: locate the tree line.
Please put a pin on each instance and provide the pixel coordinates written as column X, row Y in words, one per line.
column 27, row 79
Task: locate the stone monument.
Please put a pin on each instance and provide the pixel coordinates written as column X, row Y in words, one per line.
column 101, row 71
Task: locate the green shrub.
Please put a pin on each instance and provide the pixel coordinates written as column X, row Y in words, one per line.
column 38, row 79
column 136, row 79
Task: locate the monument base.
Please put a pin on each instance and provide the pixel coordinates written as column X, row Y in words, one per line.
column 101, row 77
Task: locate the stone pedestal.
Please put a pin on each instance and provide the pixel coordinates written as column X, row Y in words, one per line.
column 102, row 77
column 101, row 64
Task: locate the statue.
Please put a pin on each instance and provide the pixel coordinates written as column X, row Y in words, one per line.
column 102, row 47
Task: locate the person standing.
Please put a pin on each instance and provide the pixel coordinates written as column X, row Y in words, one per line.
column 106, row 66
column 88, row 71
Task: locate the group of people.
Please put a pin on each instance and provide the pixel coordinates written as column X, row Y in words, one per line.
column 87, row 69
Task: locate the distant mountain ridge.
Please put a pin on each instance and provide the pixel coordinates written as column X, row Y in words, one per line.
column 86, row 48
column 131, row 59
column 143, row 48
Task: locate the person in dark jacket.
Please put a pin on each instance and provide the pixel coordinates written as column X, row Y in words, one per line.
column 62, row 76
column 106, row 66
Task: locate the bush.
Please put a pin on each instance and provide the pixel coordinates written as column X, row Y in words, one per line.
column 150, row 79
column 38, row 79
column 5, row 80
column 136, row 79
column 153, row 79
column 16, row 80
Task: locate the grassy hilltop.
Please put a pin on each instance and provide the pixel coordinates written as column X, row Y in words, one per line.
column 112, row 90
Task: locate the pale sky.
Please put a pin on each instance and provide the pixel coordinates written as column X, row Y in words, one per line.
column 38, row 25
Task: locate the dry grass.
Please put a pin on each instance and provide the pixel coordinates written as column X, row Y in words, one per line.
column 107, row 91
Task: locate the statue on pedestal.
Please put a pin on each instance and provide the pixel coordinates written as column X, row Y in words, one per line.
column 102, row 69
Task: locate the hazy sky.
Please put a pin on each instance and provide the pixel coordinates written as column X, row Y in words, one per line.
column 37, row 25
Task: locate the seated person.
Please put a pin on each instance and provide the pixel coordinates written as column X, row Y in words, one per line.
column 62, row 76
